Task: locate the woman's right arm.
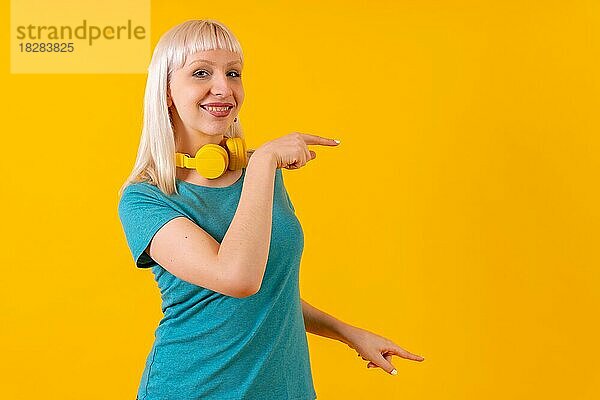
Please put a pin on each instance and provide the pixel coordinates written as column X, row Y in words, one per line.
column 245, row 246
column 236, row 266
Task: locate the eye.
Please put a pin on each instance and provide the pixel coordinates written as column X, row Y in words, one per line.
column 200, row 70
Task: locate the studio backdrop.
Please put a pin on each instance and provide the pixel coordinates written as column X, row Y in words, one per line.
column 458, row 216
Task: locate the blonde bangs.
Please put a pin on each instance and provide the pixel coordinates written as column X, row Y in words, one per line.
column 198, row 36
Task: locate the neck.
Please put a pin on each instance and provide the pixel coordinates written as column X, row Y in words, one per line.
column 190, row 144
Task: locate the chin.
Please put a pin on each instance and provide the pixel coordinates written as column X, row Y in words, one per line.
column 215, row 132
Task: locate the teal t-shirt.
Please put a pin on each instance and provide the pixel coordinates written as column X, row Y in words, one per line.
column 209, row 345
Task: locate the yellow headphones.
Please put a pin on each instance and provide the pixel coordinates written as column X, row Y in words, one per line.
column 212, row 160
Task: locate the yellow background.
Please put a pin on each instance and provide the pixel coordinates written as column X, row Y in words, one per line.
column 458, row 217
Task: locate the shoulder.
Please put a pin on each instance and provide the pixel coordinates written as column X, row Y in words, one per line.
column 137, row 187
column 140, row 194
column 141, row 189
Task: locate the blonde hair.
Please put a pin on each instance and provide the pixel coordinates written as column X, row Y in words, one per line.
column 155, row 161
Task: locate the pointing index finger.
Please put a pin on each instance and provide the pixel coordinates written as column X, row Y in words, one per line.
column 408, row 355
column 314, row 139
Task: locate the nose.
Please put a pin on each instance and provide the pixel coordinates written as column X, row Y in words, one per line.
column 221, row 85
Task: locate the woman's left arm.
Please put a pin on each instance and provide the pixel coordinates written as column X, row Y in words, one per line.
column 371, row 347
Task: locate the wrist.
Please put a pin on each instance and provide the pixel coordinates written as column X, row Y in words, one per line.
column 263, row 157
column 346, row 333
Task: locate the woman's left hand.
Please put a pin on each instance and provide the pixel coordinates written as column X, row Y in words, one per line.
column 377, row 349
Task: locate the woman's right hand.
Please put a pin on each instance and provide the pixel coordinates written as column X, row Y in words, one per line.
column 291, row 151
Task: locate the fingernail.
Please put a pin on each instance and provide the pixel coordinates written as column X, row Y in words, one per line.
column 394, row 372
column 337, row 141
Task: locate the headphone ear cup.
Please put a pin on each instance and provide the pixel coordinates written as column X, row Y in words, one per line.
column 211, row 161
column 238, row 158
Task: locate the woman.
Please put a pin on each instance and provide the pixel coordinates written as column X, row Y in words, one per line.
column 224, row 247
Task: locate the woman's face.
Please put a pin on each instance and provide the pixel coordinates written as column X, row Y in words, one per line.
column 212, row 76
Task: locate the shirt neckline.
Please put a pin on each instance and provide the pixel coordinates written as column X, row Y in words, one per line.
column 234, row 184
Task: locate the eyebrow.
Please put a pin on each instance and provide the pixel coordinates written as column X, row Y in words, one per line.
column 212, row 63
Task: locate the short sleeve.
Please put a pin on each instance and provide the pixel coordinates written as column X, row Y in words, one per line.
column 142, row 214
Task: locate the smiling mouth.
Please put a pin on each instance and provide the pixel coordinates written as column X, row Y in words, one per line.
column 217, row 109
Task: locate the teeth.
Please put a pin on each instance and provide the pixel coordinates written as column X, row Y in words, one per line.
column 216, row 108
